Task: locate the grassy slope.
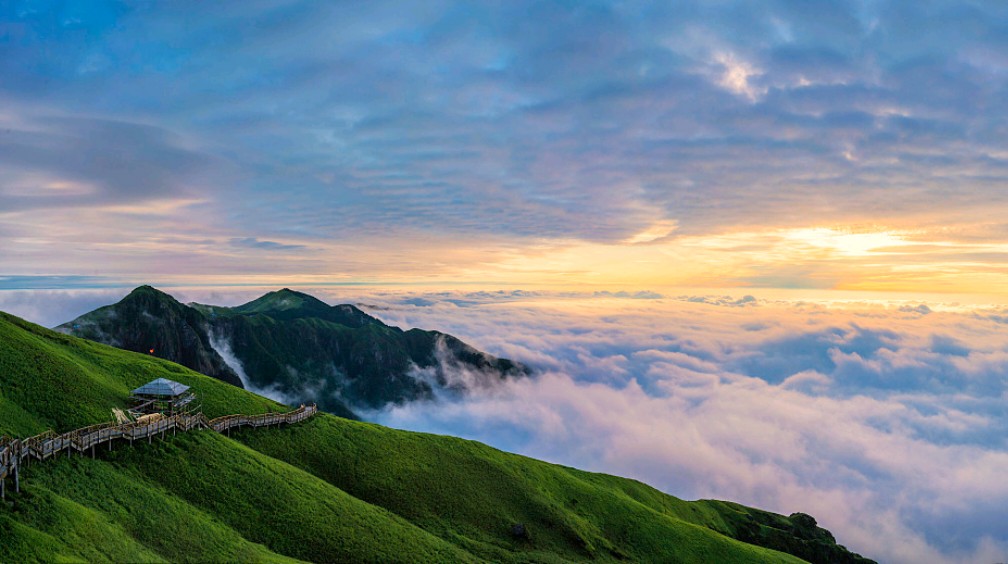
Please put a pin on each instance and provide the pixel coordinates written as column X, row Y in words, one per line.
column 215, row 495
column 53, row 381
column 328, row 489
column 472, row 494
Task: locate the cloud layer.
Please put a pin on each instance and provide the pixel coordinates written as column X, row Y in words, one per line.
column 886, row 423
column 884, row 420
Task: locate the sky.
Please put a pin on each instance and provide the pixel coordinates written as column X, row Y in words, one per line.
column 754, row 250
column 820, row 145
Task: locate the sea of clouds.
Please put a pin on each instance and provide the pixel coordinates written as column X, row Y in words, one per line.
column 887, row 422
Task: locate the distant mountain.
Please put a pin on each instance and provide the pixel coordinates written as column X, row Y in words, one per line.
column 295, row 348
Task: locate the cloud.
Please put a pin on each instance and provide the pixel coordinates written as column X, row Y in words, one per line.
column 885, row 424
column 655, row 232
column 66, row 162
column 640, row 295
column 736, row 77
column 255, row 243
column 222, row 346
column 523, row 142
column 584, row 124
column 922, row 309
column 52, row 307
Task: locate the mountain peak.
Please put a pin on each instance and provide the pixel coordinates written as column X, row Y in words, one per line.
column 291, row 304
column 149, row 294
column 147, row 289
column 283, row 300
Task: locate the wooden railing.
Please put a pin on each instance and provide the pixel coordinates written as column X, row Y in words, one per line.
column 49, row 444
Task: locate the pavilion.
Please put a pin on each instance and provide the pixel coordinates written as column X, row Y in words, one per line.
column 162, row 396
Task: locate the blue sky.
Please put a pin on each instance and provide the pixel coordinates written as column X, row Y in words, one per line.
column 494, row 142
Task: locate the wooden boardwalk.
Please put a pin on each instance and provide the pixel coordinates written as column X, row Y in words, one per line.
column 48, row 445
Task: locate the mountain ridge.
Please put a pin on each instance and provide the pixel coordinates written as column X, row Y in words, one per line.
column 296, row 348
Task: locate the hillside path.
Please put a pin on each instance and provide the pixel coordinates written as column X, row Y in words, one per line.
column 48, row 445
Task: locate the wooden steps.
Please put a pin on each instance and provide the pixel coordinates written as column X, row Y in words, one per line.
column 49, row 444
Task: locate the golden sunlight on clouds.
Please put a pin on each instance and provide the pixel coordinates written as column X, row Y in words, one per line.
column 847, row 243
column 160, row 207
column 949, row 259
column 812, row 257
column 659, row 230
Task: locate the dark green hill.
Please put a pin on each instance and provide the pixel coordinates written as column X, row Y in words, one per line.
column 296, row 348
column 328, row 489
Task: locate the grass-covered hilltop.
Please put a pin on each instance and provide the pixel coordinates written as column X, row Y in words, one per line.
column 297, row 347
column 328, row 489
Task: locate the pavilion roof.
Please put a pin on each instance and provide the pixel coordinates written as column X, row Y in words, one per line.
column 161, row 387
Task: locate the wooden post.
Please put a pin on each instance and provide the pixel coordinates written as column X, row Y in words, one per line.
column 3, row 493
column 17, row 478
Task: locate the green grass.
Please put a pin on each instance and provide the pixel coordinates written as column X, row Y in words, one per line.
column 45, row 526
column 328, row 489
column 53, row 381
column 471, row 494
column 217, row 500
